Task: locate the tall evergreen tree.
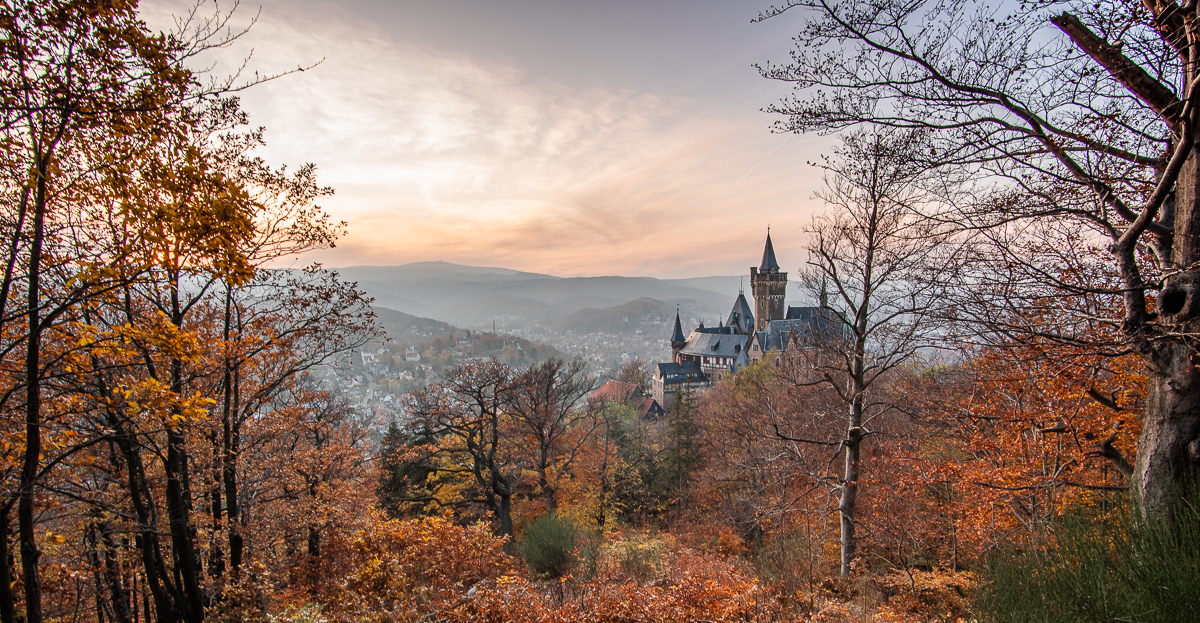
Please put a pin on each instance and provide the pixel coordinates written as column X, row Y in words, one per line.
column 684, row 455
column 401, row 487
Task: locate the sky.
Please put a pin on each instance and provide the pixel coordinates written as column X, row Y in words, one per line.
column 567, row 137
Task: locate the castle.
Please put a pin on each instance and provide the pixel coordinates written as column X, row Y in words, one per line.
column 707, row 354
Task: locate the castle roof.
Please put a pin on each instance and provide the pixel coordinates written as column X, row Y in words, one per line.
column 769, row 262
column 677, row 335
column 742, row 318
column 779, row 332
column 802, row 313
column 802, row 323
column 687, row 372
column 714, row 345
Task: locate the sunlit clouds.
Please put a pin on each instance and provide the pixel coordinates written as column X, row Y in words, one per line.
column 441, row 154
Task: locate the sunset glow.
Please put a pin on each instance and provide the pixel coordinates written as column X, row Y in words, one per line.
column 499, row 152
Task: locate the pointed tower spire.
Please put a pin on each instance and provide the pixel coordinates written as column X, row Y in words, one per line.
column 742, row 317
column 824, row 294
column 677, row 339
column 769, row 263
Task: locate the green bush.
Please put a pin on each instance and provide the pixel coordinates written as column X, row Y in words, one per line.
column 1114, row 569
column 548, row 546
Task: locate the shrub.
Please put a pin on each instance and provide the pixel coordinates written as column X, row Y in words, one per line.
column 636, row 557
column 548, row 546
column 698, row 588
column 937, row 595
column 390, row 570
column 1102, row 569
column 791, row 562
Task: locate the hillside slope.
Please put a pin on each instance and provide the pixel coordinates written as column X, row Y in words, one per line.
column 470, row 296
column 643, row 313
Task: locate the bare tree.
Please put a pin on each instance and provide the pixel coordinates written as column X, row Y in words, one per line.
column 547, row 414
column 466, row 417
column 636, row 372
column 874, row 253
column 1083, row 113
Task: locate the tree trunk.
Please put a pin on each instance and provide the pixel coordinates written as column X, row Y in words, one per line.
column 8, row 611
column 158, row 581
column 33, row 409
column 216, row 557
column 849, row 499
column 1169, row 445
column 122, row 610
column 504, row 514
column 314, row 541
column 178, row 493
column 549, row 495
column 232, row 440
column 1168, row 450
column 180, row 527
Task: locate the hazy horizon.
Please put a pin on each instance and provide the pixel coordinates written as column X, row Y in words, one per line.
column 535, row 272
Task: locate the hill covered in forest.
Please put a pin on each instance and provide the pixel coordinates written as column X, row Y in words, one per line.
column 404, row 329
column 473, row 296
column 642, row 313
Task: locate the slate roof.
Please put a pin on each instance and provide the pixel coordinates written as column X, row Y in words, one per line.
column 673, row 373
column 741, row 316
column 677, row 335
column 802, row 313
column 769, row 262
column 714, row 345
column 802, row 322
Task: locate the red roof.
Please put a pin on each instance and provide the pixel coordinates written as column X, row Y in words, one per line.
column 648, row 407
column 614, row 391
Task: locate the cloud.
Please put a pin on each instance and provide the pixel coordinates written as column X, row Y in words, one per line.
column 438, row 155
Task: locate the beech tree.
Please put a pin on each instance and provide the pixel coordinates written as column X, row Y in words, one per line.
column 870, row 259
column 1074, row 112
column 546, row 412
column 73, row 75
column 126, row 195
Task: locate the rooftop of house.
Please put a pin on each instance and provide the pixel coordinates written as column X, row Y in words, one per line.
column 614, row 391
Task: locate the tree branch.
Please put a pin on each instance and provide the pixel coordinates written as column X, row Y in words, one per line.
column 1123, row 70
column 1106, row 450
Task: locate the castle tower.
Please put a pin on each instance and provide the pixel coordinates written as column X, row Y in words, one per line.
column 677, row 339
column 742, row 317
column 768, row 286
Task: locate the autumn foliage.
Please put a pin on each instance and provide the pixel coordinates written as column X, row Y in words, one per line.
column 390, row 570
column 172, row 449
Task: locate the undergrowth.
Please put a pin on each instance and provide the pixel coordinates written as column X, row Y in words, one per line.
column 1102, row 568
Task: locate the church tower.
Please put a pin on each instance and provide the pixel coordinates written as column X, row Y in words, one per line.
column 768, row 286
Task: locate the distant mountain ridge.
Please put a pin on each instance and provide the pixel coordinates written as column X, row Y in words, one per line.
column 475, row 296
